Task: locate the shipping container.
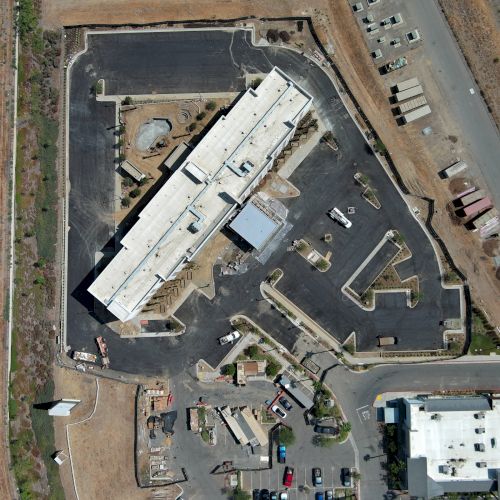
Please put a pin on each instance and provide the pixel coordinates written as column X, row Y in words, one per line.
column 412, row 104
column 454, row 169
column 407, row 84
column 408, row 93
column 477, row 207
column 416, row 114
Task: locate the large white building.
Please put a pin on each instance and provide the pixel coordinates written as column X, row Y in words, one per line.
column 452, row 445
column 218, row 175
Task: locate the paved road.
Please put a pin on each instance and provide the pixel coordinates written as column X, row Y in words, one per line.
column 125, row 62
column 454, row 79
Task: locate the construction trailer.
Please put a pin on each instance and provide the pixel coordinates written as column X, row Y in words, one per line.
column 484, row 219
column 133, row 171
column 412, row 104
column 407, row 84
column 472, row 197
column 454, row 169
column 416, row 114
column 409, row 93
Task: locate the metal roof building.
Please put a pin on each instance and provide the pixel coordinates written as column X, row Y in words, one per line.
column 451, row 445
column 216, row 177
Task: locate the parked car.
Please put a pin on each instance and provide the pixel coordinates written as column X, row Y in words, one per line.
column 278, row 411
column 281, row 453
column 285, row 403
column 256, row 494
column 274, row 495
column 319, row 495
column 284, row 495
column 317, row 479
column 329, row 494
column 288, row 477
column 229, row 338
column 265, row 495
column 346, row 477
column 325, row 429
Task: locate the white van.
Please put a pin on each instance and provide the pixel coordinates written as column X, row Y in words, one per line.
column 337, row 215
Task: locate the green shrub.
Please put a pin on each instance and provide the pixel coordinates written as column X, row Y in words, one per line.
column 135, row 193
column 229, row 370
column 210, row 106
column 200, row 116
column 126, row 202
column 286, row 436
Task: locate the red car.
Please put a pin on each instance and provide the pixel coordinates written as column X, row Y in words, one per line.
column 288, row 477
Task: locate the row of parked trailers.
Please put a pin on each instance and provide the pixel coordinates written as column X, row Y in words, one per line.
column 412, row 103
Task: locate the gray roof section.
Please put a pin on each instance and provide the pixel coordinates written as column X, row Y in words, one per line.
column 254, row 226
column 417, row 477
column 459, row 403
column 295, row 392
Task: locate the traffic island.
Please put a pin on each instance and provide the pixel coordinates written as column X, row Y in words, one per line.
column 368, row 193
column 308, row 252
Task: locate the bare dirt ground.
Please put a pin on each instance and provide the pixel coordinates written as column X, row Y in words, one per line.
column 335, row 22
column 102, row 445
column 6, row 133
column 473, row 24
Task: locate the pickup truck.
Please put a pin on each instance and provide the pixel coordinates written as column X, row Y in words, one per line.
column 230, row 337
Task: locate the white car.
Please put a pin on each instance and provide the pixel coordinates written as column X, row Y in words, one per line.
column 276, row 409
column 230, row 337
column 337, row 215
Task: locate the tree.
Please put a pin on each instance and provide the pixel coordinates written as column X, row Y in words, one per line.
column 127, row 182
column 240, row 494
column 229, row 370
column 135, row 193
column 40, row 263
column 252, row 351
column 210, row 105
column 192, row 127
column 128, row 100
column 39, row 280
column 200, row 116
column 285, row 36
column 126, row 202
column 255, row 83
column 272, row 36
column 287, row 437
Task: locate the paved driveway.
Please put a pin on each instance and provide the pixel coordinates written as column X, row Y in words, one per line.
column 177, row 62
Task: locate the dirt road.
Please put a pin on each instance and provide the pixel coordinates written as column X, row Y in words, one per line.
column 6, row 133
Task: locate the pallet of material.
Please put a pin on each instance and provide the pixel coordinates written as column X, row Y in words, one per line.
column 454, row 169
column 413, row 104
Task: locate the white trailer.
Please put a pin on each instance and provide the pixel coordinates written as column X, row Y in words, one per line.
column 408, row 93
column 413, row 104
column 407, row 84
column 454, row 169
column 416, row 114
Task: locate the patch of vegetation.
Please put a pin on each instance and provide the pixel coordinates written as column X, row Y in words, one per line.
column 322, row 264
column 484, row 338
column 127, row 182
column 301, row 246
column 395, row 466
column 286, row 436
column 99, row 87
column 322, row 441
column 255, row 83
column 380, row 146
column 239, row 494
column 127, row 101
column 321, row 408
column 126, row 201
column 135, row 193
column 344, row 430
column 200, row 116
column 210, row 105
column 192, row 127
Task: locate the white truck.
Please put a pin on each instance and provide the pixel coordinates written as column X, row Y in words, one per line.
column 407, row 84
column 409, row 93
column 412, row 104
column 230, row 337
column 337, row 215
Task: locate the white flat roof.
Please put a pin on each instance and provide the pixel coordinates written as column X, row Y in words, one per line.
column 450, row 439
column 201, row 193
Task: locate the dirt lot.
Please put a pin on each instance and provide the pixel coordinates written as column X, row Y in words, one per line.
column 473, row 22
column 334, row 22
column 102, row 445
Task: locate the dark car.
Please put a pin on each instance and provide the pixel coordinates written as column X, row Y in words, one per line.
column 256, row 494
column 325, row 429
column 319, row 495
column 285, row 403
column 281, row 453
column 346, row 477
column 317, row 479
column 264, row 495
column 274, row 495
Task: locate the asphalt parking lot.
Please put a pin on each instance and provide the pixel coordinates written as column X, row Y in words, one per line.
column 324, row 178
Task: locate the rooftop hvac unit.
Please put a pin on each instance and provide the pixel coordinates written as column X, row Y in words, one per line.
column 479, row 446
column 480, row 430
column 481, row 465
